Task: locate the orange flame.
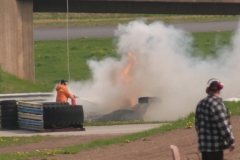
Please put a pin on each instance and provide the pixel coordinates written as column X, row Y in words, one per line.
column 127, row 74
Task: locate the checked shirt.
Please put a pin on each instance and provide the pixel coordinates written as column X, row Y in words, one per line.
column 213, row 125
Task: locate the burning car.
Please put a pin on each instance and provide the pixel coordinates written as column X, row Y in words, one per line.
column 127, row 114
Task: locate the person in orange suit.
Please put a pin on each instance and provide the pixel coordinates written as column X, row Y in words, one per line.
column 62, row 92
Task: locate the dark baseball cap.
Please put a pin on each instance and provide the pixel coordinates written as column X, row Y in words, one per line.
column 63, row 81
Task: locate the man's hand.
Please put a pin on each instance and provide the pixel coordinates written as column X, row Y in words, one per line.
column 75, row 96
column 231, row 148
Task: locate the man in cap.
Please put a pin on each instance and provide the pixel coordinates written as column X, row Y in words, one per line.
column 62, row 92
column 213, row 124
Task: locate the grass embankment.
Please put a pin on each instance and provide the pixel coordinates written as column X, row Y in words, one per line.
column 186, row 122
column 13, row 84
column 86, row 19
column 51, row 59
column 51, row 56
column 14, row 141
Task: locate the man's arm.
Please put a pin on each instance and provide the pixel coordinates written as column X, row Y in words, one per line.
column 196, row 119
column 67, row 93
column 223, row 122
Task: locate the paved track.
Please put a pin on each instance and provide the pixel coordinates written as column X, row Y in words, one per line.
column 89, row 130
column 108, row 31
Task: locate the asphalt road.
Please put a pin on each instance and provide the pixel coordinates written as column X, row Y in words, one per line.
column 89, row 130
column 108, row 31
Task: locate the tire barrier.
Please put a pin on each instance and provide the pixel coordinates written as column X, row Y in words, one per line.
column 30, row 116
column 62, row 115
column 40, row 116
column 9, row 117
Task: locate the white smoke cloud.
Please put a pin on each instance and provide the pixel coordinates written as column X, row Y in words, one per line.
column 164, row 68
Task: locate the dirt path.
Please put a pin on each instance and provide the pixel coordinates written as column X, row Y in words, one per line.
column 55, row 144
column 155, row 147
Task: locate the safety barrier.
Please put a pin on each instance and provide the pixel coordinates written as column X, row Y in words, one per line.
column 40, row 116
column 30, row 97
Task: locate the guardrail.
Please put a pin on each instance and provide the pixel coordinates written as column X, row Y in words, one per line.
column 27, row 96
column 43, row 116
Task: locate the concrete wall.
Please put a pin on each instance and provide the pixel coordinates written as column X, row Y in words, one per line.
column 200, row 7
column 16, row 38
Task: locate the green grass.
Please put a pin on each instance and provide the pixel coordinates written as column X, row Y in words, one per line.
column 234, row 108
column 51, row 59
column 51, row 56
column 13, row 84
column 52, row 63
column 206, row 44
column 14, row 141
column 85, row 19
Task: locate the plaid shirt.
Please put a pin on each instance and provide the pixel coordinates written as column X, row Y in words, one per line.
column 213, row 125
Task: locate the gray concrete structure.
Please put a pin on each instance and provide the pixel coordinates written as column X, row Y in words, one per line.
column 16, row 21
column 16, row 38
column 203, row 7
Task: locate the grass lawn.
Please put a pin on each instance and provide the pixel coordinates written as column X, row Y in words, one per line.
column 209, row 42
column 14, row 141
column 51, row 59
column 85, row 19
column 51, row 56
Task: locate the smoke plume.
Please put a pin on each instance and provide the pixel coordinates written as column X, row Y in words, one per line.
column 162, row 67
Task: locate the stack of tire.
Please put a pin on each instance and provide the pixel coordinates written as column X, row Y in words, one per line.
column 62, row 115
column 9, row 114
column 30, row 116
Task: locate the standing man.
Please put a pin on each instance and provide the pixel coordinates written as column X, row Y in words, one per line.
column 213, row 124
column 62, row 92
